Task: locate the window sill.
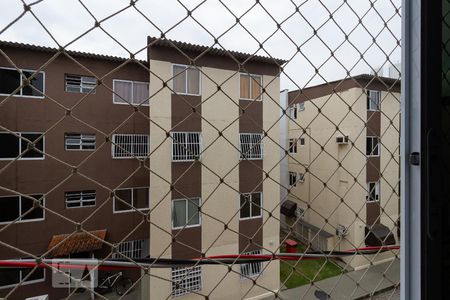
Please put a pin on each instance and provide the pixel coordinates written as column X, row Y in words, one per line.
column 250, row 218
column 245, row 99
column 23, row 96
column 130, row 210
column 185, row 94
column 186, row 227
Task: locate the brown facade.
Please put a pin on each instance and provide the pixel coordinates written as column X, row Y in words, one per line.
column 61, row 112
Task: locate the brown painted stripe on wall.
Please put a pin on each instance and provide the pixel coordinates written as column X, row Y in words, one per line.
column 251, row 119
column 373, row 123
column 186, row 176
column 250, row 234
column 372, row 213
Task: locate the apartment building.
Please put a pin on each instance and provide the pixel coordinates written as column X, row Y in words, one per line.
column 211, row 110
column 343, row 165
column 85, row 182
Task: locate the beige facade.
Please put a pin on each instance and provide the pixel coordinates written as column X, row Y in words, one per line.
column 220, row 158
column 335, row 186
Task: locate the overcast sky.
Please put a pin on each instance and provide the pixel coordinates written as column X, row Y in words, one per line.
column 66, row 20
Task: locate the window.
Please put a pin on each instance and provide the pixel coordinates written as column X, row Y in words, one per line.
column 13, row 146
column 251, row 269
column 302, row 141
column 186, row 280
column 301, row 177
column 251, row 146
column 80, row 198
column 21, row 208
column 79, row 141
column 130, row 92
column 251, row 205
column 185, row 213
column 372, row 146
column 186, row 80
column 135, row 198
column 13, row 277
column 292, row 146
column 186, row 146
column 80, row 84
column 293, row 111
column 292, row 179
column 373, row 189
column 373, row 100
column 130, row 145
column 250, row 87
column 12, row 79
column 130, row 249
column 301, row 106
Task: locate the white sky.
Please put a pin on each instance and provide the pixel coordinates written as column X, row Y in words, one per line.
column 66, row 20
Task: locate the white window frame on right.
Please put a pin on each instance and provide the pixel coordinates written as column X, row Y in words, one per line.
column 189, row 279
column 372, row 153
column 251, row 270
column 373, row 105
column 373, row 186
column 251, row 146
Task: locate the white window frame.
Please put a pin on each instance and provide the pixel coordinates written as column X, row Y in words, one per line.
column 301, row 107
column 115, row 144
column 83, row 84
column 186, row 81
column 293, row 176
column 377, row 191
column 292, row 149
column 81, row 199
column 21, row 81
column 248, row 270
column 293, row 111
column 83, row 141
column 132, row 200
column 20, row 145
column 132, row 93
column 301, row 177
column 184, row 157
column 251, row 205
column 251, row 83
column 186, row 275
column 250, row 145
column 20, row 210
column 26, row 282
column 302, row 141
column 187, row 213
column 369, row 98
column 131, row 249
column 373, row 149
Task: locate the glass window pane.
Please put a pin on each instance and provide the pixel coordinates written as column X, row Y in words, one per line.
column 256, row 204
column 256, row 87
column 124, row 195
column 245, row 87
column 179, row 213
column 37, row 82
column 140, row 198
column 35, row 275
column 9, row 145
column 245, row 206
column 179, row 80
column 39, row 145
column 9, row 207
column 9, row 81
column 193, row 215
column 27, row 204
column 193, row 77
column 9, row 276
column 122, row 92
column 140, row 93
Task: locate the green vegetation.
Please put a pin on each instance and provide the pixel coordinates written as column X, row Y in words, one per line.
column 306, row 270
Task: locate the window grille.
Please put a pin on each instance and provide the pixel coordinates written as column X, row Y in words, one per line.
column 14, row 146
column 80, row 84
column 251, row 145
column 130, row 249
column 251, row 269
column 79, row 141
column 186, row 280
column 130, row 145
column 186, row 146
column 80, row 198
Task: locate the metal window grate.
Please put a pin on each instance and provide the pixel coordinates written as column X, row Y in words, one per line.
column 186, row 280
column 80, row 198
column 130, row 249
column 251, row 269
column 251, row 145
column 186, row 146
column 130, row 145
column 79, row 141
column 80, row 84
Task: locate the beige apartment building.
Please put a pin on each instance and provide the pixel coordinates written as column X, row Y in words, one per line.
column 209, row 157
column 343, row 165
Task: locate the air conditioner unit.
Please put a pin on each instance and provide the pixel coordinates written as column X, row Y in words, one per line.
column 341, row 231
column 342, row 140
